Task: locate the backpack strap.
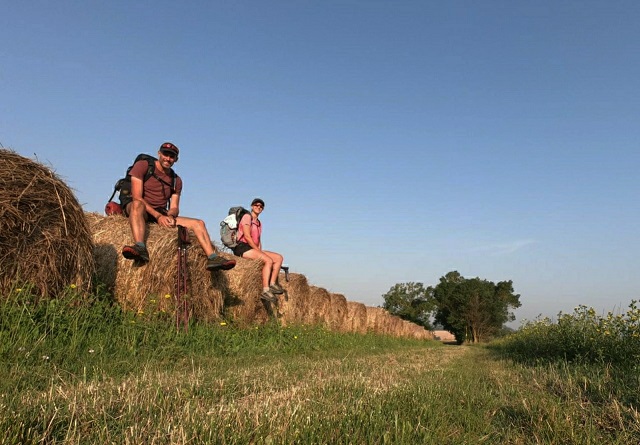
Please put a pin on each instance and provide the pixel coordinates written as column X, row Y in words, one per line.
column 240, row 213
column 115, row 190
column 151, row 171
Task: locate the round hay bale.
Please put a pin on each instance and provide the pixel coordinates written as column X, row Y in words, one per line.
column 373, row 313
column 418, row 332
column 319, row 301
column 357, row 317
column 152, row 287
column 337, row 313
column 242, row 299
column 384, row 322
column 422, row 334
column 395, row 325
column 44, row 236
column 294, row 305
column 406, row 328
column 411, row 330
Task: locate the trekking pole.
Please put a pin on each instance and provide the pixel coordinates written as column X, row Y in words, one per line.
column 182, row 280
column 285, row 267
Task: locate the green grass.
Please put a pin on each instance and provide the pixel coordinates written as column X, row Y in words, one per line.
column 90, row 336
column 81, row 371
column 585, row 358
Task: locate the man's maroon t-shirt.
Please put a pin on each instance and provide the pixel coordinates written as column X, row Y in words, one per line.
column 155, row 192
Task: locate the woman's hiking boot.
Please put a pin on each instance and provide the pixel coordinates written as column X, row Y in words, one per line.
column 220, row 263
column 136, row 252
column 276, row 289
column 267, row 295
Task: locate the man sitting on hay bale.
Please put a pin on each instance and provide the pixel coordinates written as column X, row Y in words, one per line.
column 157, row 200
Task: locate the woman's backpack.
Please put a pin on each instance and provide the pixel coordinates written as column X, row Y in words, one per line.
column 229, row 226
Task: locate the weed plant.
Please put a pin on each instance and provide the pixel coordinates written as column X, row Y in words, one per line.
column 585, row 356
column 582, row 337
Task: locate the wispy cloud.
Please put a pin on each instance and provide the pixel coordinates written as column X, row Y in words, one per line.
column 499, row 249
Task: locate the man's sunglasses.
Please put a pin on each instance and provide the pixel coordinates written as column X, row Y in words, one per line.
column 169, row 154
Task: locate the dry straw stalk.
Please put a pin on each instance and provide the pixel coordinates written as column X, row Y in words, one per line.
column 45, row 240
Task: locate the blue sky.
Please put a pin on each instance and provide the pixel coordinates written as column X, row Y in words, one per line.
column 392, row 141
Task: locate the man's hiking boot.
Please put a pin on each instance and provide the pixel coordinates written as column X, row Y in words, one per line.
column 276, row 289
column 267, row 295
column 136, row 252
column 220, row 263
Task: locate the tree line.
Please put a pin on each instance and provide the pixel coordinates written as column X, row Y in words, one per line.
column 472, row 309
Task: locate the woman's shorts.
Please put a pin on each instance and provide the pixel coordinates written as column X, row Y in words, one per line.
column 241, row 248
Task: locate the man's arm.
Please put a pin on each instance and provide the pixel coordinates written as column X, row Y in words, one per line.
column 174, row 205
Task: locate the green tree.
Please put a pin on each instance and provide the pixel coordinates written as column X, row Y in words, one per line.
column 473, row 309
column 411, row 302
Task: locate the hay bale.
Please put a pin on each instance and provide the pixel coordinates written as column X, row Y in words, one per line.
column 337, row 313
column 394, row 325
column 406, row 329
column 242, row 298
column 412, row 330
column 373, row 313
column 45, row 239
column 319, row 301
column 135, row 287
column 294, row 305
column 423, row 334
column 357, row 317
column 382, row 322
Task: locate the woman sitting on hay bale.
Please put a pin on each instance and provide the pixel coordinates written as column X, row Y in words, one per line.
column 250, row 246
column 157, row 199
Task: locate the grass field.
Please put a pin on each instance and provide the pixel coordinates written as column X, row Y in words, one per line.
column 87, row 373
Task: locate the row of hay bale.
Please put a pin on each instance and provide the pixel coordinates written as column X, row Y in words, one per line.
column 236, row 291
column 306, row 304
column 47, row 240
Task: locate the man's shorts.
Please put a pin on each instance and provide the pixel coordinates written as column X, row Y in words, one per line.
column 241, row 248
column 152, row 219
column 149, row 218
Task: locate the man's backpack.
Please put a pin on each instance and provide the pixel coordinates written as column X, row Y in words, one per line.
column 229, row 226
column 123, row 186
